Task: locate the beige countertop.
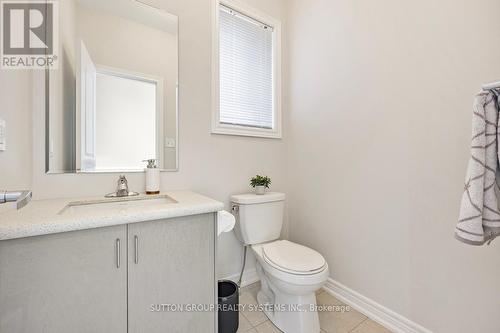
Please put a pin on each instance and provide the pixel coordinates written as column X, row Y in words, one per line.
column 42, row 217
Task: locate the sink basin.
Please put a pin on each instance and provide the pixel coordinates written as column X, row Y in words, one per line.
column 116, row 204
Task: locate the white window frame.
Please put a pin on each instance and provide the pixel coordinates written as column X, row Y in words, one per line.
column 229, row 129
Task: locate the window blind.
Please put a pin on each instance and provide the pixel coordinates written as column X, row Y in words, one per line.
column 245, row 70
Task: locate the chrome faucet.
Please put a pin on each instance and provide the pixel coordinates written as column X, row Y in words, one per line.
column 21, row 198
column 121, row 189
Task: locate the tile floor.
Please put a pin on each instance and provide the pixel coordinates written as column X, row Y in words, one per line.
column 330, row 322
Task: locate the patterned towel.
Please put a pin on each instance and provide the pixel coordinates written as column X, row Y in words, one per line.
column 479, row 220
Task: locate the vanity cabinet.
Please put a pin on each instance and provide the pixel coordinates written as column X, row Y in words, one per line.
column 66, row 282
column 171, row 262
column 110, row 279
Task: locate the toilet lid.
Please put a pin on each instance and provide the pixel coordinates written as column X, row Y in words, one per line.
column 293, row 258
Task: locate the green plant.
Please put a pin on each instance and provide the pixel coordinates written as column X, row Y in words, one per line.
column 260, row 181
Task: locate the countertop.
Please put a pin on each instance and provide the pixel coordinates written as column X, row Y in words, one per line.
column 42, row 217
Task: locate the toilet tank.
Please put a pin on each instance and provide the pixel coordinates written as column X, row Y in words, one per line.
column 259, row 218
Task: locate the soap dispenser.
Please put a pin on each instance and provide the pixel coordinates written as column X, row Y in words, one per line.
column 152, row 177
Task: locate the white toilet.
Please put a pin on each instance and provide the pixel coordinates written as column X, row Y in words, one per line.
column 289, row 273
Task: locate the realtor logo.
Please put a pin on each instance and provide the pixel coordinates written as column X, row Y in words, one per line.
column 29, row 34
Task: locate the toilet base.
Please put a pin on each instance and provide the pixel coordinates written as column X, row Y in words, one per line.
column 289, row 313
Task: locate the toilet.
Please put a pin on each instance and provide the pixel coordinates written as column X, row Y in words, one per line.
column 289, row 273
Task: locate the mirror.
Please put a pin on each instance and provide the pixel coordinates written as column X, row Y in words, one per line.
column 112, row 101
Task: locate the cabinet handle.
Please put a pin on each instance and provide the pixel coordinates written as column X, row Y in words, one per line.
column 136, row 241
column 117, row 253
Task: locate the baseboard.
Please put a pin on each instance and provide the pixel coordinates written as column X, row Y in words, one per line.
column 373, row 310
column 249, row 277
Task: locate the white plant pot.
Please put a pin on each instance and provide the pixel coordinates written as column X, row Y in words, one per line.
column 260, row 190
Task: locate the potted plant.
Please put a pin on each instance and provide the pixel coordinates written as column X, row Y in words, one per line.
column 260, row 184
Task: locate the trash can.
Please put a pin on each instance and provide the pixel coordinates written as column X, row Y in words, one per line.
column 228, row 306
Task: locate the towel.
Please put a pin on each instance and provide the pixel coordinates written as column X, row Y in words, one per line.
column 479, row 219
column 225, row 222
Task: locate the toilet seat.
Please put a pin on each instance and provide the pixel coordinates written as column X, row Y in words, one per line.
column 293, row 258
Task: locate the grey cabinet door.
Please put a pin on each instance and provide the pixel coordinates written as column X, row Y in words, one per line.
column 171, row 262
column 67, row 282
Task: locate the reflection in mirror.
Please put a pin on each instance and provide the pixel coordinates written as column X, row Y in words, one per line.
column 112, row 103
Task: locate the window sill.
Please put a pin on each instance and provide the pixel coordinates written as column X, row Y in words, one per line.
column 245, row 131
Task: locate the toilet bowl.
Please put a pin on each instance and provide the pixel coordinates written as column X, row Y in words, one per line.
column 290, row 273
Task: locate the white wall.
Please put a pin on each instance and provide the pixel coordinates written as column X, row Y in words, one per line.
column 214, row 165
column 15, row 109
column 63, row 84
column 380, row 109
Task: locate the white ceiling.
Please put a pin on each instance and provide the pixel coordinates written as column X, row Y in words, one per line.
column 138, row 11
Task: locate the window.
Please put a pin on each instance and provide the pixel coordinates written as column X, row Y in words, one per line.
column 247, row 73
